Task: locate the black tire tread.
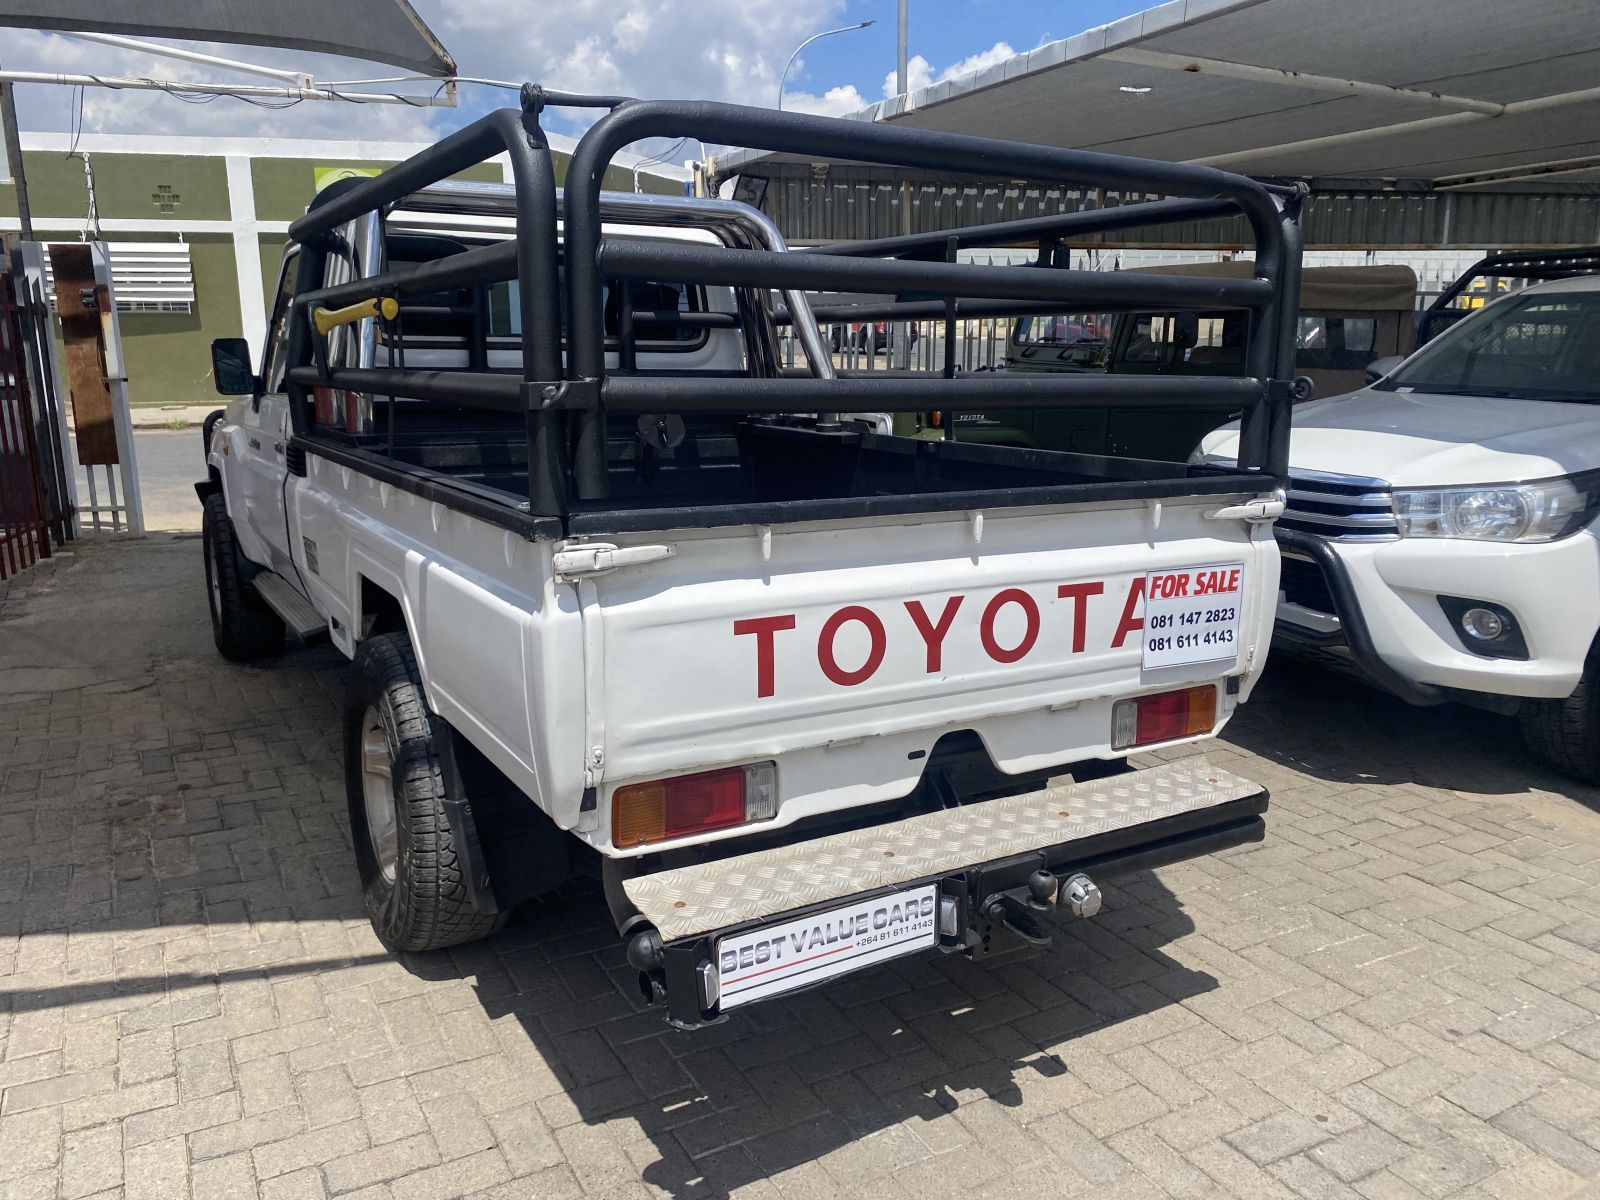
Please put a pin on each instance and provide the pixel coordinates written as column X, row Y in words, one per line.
column 1566, row 733
column 431, row 908
column 246, row 629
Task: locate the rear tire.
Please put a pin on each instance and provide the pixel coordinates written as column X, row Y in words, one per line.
column 411, row 873
column 1566, row 733
column 242, row 625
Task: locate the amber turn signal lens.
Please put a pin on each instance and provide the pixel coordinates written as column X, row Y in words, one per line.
column 639, row 814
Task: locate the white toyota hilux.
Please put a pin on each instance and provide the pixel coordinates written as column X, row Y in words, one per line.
column 1439, row 534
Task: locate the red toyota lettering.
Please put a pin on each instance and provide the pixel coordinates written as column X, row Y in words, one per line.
column 830, row 629
column 1030, row 612
column 1079, row 594
column 1129, row 623
column 933, row 632
column 765, row 630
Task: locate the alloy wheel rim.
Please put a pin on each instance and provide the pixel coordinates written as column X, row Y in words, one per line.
column 377, row 791
column 214, row 581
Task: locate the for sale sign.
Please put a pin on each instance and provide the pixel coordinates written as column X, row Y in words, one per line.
column 1192, row 615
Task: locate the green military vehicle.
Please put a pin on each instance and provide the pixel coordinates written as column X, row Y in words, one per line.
column 1349, row 316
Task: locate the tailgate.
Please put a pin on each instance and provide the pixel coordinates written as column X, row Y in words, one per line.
column 863, row 640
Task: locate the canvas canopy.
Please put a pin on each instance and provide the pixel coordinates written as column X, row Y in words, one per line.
column 1325, row 289
column 386, row 31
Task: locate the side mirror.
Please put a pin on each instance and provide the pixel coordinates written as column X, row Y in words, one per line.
column 230, row 367
column 1380, row 368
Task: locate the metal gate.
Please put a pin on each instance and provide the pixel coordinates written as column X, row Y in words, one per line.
column 24, row 516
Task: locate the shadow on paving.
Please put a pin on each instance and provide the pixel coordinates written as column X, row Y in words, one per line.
column 1381, row 740
column 786, row 1082
column 198, row 808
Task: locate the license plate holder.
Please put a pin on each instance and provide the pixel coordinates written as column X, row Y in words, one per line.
column 784, row 956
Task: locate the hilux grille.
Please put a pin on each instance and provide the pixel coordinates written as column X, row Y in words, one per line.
column 1340, row 507
column 1303, row 583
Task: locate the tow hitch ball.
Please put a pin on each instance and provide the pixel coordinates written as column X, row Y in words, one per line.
column 1077, row 894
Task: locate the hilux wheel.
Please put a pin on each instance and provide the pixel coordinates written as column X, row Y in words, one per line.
column 1566, row 733
column 410, row 872
column 242, row 625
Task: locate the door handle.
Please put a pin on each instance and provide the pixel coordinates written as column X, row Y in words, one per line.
column 1262, row 508
column 277, row 447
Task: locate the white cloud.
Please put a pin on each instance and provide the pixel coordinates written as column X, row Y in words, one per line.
column 105, row 110
column 920, row 74
column 716, row 49
column 835, row 102
column 713, row 49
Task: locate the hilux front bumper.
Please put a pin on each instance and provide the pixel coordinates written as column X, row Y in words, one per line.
column 716, row 934
column 1383, row 612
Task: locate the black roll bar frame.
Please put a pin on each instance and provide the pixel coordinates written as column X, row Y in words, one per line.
column 565, row 404
column 1536, row 266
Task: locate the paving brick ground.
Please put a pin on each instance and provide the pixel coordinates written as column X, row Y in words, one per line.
column 1395, row 996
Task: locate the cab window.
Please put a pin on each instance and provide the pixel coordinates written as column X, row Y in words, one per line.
column 1061, row 329
column 274, row 358
column 1336, row 343
column 1174, row 341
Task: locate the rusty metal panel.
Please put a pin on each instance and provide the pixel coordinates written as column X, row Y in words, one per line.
column 80, row 303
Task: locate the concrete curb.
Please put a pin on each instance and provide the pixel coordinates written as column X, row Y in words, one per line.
column 166, row 416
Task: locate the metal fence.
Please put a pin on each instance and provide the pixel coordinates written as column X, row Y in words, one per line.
column 24, row 513
column 980, row 345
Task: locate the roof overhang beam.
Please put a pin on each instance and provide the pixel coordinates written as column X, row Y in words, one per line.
column 1427, row 124
column 298, row 78
column 445, row 98
column 1160, row 59
column 1543, row 170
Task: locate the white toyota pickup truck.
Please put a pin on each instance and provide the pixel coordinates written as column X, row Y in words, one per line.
column 1440, row 535
column 624, row 594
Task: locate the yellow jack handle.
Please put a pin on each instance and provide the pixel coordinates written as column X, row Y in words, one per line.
column 328, row 319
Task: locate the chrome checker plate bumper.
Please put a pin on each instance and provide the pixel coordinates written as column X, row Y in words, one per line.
column 714, row 895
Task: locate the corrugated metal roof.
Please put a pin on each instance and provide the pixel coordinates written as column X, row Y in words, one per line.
column 851, row 203
column 1457, row 93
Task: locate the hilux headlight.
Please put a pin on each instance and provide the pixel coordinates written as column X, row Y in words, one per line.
column 1512, row 512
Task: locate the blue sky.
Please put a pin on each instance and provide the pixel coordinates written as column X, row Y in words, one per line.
column 715, row 49
column 944, row 32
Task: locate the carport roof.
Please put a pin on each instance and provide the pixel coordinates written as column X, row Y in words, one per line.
column 387, row 31
column 1455, row 93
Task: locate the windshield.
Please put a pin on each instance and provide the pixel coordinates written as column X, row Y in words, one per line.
column 1539, row 347
column 1062, row 329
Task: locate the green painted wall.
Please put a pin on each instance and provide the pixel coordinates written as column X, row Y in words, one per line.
column 194, row 187
column 168, row 354
column 284, row 186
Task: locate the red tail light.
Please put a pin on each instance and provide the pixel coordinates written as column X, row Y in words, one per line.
column 1163, row 717
column 664, row 809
